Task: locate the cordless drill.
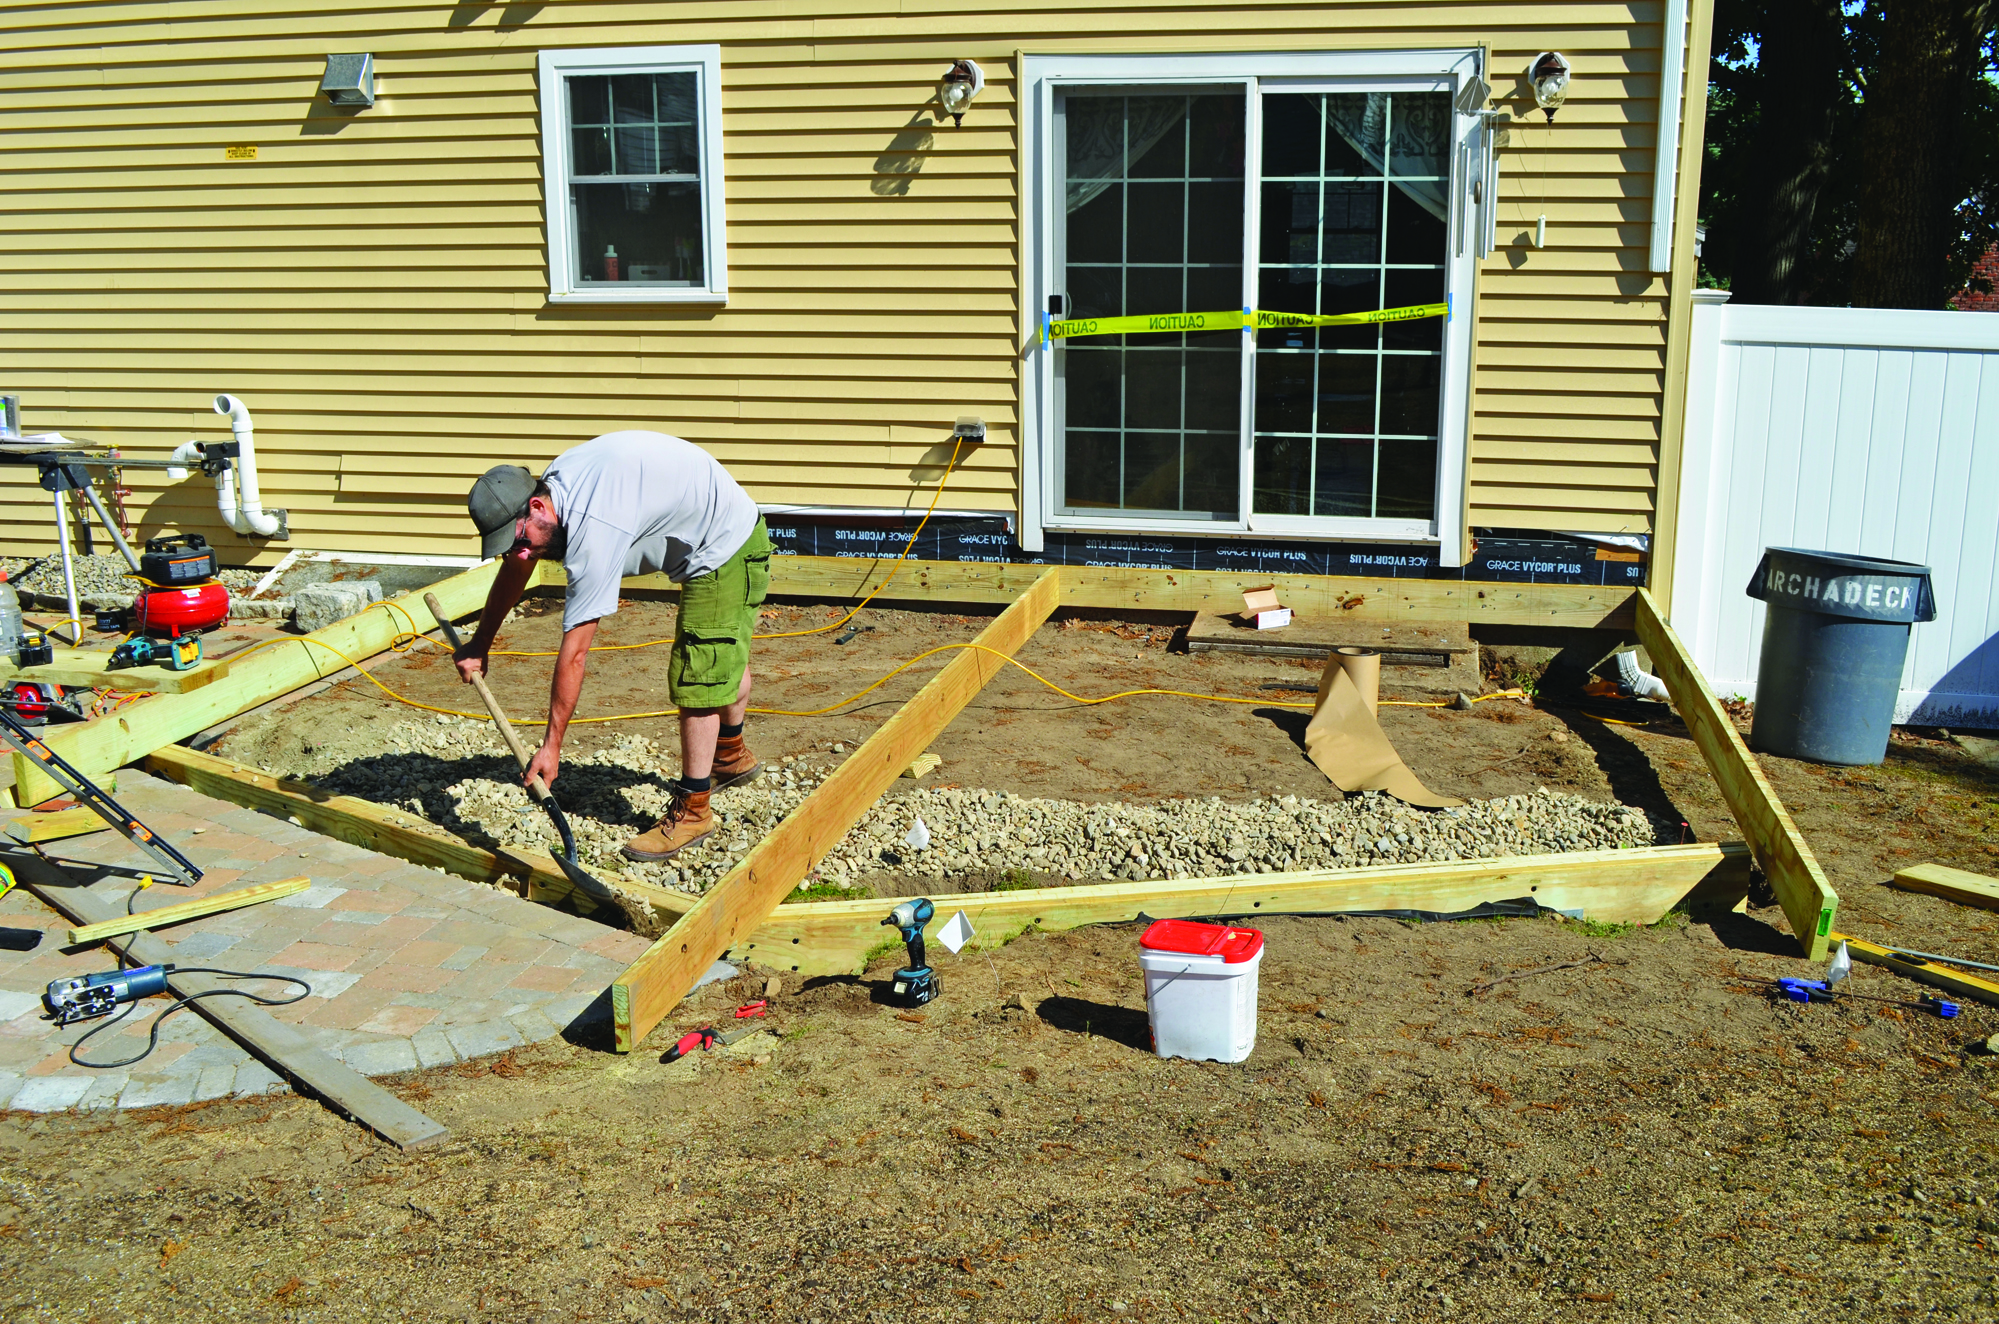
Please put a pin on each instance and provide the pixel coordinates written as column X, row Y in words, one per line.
column 917, row 984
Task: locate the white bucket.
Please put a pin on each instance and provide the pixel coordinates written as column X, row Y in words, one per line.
column 1200, row 988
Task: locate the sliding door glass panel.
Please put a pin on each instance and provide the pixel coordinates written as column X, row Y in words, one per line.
column 1355, row 196
column 1153, row 196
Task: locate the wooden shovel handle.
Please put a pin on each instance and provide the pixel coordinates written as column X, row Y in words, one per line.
column 535, row 787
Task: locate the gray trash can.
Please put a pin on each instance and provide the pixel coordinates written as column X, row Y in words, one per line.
column 1833, row 648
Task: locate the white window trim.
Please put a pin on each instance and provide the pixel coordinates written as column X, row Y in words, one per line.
column 553, row 67
column 1448, row 69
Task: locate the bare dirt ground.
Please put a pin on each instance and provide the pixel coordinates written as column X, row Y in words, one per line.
column 1644, row 1135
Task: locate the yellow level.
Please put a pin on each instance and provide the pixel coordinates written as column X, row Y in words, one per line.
column 1232, row 319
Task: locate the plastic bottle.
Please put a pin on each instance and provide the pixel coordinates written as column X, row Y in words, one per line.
column 10, row 618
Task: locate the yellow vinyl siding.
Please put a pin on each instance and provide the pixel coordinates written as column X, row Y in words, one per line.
column 374, row 286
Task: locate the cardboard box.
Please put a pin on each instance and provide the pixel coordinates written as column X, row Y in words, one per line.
column 1261, row 610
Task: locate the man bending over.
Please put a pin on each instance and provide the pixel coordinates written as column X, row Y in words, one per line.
column 636, row 503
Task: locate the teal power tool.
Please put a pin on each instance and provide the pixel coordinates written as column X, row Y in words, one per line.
column 917, row 983
column 181, row 653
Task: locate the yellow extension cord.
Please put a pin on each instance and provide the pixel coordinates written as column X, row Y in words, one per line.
column 403, row 641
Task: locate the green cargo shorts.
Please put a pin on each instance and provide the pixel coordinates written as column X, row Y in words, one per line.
column 718, row 614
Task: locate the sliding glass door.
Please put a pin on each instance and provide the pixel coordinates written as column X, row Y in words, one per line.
column 1282, row 195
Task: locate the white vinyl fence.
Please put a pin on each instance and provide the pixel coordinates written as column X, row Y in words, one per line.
column 1867, row 431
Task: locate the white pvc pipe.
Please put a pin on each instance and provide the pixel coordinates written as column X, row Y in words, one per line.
column 1666, row 159
column 242, row 511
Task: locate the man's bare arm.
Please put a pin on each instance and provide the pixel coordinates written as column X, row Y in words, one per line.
column 563, row 692
column 509, row 582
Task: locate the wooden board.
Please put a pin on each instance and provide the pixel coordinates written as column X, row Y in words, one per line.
column 392, row 831
column 1971, row 889
column 286, row 1049
column 235, row 898
column 1402, row 643
column 1332, row 597
column 1781, row 851
column 1615, row 887
column 1946, row 977
column 131, row 733
column 747, row 894
column 58, row 826
column 86, row 667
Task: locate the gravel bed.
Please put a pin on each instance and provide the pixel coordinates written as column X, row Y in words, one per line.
column 103, row 581
column 455, row 772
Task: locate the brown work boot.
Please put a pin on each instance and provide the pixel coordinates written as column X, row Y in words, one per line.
column 686, row 821
column 734, row 764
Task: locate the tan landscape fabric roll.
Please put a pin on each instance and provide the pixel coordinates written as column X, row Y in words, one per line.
column 1349, row 746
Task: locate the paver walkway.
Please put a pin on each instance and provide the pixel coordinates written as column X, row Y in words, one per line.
column 409, row 967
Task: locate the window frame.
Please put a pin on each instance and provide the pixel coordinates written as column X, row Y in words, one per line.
column 1445, row 70
column 553, row 69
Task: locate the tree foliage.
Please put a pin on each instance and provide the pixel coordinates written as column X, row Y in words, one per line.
column 1852, row 150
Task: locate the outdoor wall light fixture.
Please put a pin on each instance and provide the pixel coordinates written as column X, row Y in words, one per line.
column 955, row 90
column 349, row 81
column 1549, row 75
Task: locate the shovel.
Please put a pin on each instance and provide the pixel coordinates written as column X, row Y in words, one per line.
column 536, row 788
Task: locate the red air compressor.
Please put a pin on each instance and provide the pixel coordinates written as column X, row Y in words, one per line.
column 178, row 591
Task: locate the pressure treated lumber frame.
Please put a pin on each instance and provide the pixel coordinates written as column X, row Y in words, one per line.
column 1959, row 885
column 286, row 1049
column 131, row 733
column 391, row 831
column 747, row 894
column 1613, row 887
column 1786, row 860
column 58, row 826
column 215, row 903
column 1126, row 588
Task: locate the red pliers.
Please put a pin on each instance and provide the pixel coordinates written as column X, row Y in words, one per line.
column 752, row 1008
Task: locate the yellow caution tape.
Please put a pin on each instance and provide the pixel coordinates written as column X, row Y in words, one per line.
column 1232, row 319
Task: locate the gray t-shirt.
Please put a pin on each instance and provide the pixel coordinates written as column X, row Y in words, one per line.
column 637, row 503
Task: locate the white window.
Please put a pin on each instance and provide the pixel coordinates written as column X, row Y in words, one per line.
column 631, row 149
column 1314, row 183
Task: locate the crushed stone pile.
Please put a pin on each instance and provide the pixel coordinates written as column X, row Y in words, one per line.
column 456, row 773
column 103, row 581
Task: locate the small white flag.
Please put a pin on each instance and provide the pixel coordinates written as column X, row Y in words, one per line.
column 919, row 837
column 956, row 932
column 1841, row 967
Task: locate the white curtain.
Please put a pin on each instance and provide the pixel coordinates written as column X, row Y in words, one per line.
column 1422, row 129
column 1108, row 135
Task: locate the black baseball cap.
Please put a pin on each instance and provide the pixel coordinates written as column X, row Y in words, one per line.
column 498, row 499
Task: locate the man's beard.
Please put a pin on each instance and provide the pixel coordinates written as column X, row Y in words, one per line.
column 558, row 544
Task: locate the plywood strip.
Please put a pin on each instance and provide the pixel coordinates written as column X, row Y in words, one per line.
column 1781, row 851
column 286, row 1049
column 746, row 896
column 1613, row 887
column 214, row 904
column 392, row 831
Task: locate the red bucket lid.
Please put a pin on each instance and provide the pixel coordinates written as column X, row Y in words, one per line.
column 1194, row 938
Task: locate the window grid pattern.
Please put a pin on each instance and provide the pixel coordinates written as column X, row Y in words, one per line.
column 1346, row 418
column 1163, row 435
column 635, row 186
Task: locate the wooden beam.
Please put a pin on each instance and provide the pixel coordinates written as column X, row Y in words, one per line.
column 1327, row 597
column 1781, row 851
column 254, row 677
column 286, row 1049
column 392, row 831
column 747, row 894
column 1613, row 887
column 87, row 667
column 214, row 904
column 58, row 826
column 1959, row 885
column 1937, row 975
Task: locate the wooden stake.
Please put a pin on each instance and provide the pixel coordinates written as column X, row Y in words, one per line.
column 234, row 899
column 1787, row 861
column 746, row 896
column 59, row 826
